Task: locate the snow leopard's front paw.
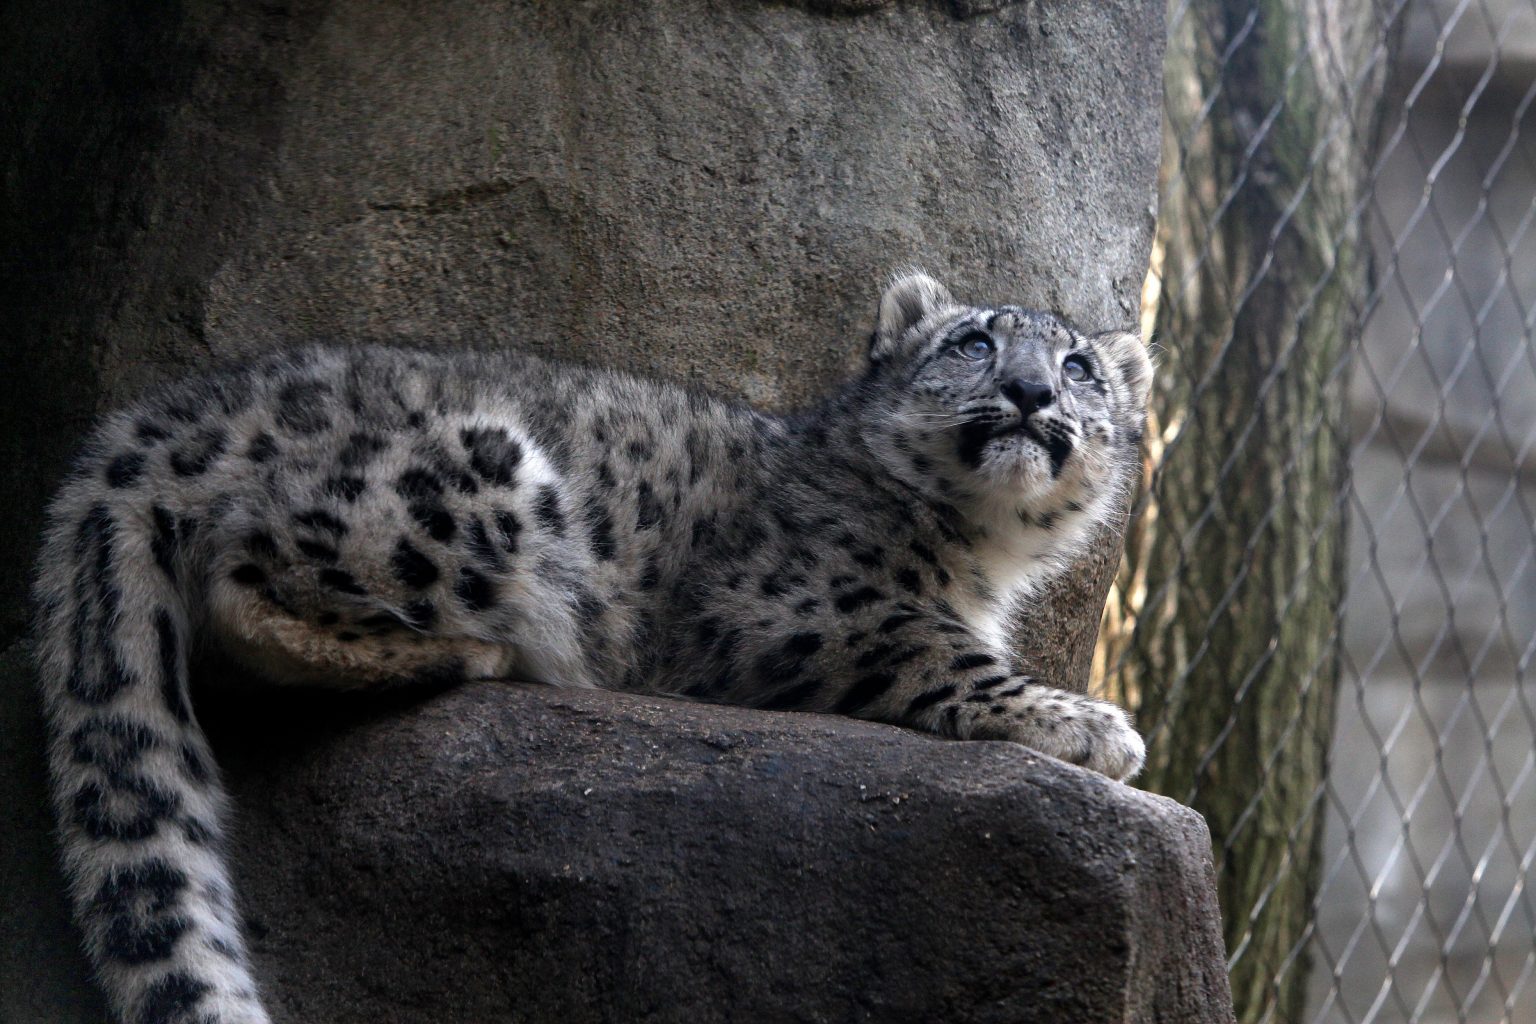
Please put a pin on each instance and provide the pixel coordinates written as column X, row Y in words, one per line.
column 1080, row 730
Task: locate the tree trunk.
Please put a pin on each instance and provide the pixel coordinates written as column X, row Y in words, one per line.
column 1224, row 623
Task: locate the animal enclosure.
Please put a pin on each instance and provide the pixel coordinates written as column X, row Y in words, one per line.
column 1327, row 613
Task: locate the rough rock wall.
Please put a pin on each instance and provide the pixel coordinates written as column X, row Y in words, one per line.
column 708, row 191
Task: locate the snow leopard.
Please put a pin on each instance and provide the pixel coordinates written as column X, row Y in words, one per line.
column 365, row 517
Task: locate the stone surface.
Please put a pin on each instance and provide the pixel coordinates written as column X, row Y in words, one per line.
column 707, row 191
column 515, row 852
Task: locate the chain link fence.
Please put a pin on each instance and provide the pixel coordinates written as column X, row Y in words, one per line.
column 1326, row 618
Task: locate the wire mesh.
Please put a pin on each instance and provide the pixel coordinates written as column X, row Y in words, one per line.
column 1327, row 613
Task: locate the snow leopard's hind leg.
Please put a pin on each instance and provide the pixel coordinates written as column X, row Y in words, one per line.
column 136, row 792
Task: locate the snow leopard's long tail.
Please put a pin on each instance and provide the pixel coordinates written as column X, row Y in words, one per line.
column 137, row 796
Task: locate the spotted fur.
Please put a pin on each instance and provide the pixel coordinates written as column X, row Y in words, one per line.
column 372, row 517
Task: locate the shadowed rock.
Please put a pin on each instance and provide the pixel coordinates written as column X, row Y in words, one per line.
column 516, row 852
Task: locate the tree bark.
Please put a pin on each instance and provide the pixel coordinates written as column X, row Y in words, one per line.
column 1224, row 623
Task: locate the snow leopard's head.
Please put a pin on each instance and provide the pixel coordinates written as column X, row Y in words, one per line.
column 1002, row 404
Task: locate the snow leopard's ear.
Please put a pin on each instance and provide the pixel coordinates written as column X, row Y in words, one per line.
column 1127, row 354
column 910, row 298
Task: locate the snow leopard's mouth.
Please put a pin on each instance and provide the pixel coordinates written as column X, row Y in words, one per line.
column 1054, row 438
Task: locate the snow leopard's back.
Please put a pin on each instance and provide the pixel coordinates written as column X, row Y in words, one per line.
column 347, row 518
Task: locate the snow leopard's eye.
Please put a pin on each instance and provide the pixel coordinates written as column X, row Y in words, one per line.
column 975, row 346
column 1077, row 368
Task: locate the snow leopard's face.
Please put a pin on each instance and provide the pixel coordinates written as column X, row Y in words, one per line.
column 1008, row 403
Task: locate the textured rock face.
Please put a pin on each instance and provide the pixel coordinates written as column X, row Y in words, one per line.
column 514, row 852
column 708, row 191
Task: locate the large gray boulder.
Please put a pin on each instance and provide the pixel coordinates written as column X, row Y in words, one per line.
column 513, row 852
column 707, row 191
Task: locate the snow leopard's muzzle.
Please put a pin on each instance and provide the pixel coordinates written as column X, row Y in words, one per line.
column 1056, row 437
column 1040, row 419
column 1025, row 407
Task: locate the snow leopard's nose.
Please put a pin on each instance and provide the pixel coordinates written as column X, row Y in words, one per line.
column 1030, row 396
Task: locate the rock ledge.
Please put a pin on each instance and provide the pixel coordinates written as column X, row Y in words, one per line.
column 517, row 853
